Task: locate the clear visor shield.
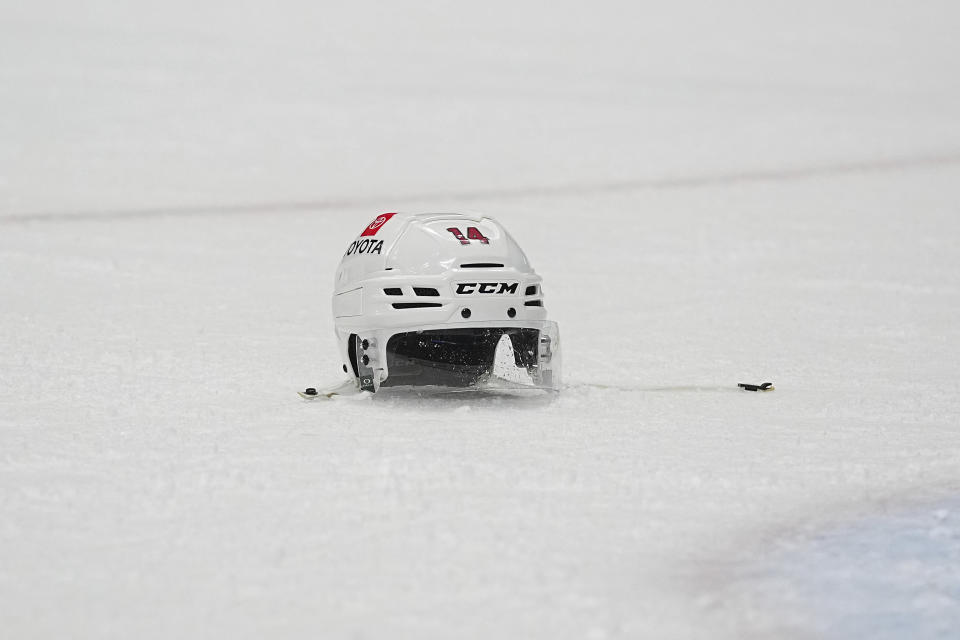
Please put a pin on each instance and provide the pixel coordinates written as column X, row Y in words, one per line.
column 480, row 357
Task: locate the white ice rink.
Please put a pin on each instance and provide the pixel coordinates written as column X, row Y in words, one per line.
column 713, row 192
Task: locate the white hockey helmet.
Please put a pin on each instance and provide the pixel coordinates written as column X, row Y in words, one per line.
column 444, row 299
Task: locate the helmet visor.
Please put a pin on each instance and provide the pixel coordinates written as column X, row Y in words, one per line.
column 482, row 357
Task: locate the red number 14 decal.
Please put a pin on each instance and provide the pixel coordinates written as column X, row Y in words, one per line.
column 472, row 234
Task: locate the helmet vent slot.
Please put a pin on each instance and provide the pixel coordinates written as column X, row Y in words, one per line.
column 529, row 303
column 393, row 291
column 426, row 291
column 481, row 265
column 416, row 305
column 531, row 290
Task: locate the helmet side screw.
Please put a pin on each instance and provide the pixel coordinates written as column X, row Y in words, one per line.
column 365, row 344
column 465, row 313
column 365, row 359
column 511, row 312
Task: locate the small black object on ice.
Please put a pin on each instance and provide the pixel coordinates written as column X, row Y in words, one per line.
column 310, row 391
column 766, row 386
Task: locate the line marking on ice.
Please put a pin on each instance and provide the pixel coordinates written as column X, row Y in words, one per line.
column 680, row 182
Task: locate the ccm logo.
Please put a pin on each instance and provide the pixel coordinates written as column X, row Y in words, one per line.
column 487, row 287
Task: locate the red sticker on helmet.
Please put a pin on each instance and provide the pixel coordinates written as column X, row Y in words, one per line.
column 374, row 226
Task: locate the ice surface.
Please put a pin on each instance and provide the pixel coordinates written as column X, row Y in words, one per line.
column 714, row 194
column 893, row 575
